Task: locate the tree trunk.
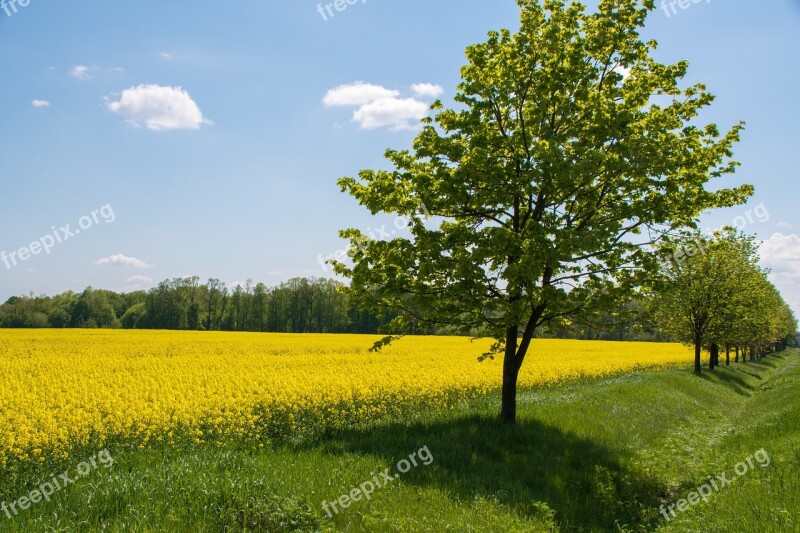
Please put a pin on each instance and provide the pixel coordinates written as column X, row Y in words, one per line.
column 698, row 348
column 514, row 357
column 713, row 359
column 727, row 355
column 737, row 353
column 508, row 409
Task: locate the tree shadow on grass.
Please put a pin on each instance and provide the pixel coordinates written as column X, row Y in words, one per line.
column 762, row 363
column 589, row 486
column 742, row 369
column 728, row 378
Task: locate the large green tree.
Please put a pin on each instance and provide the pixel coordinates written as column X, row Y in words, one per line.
column 570, row 150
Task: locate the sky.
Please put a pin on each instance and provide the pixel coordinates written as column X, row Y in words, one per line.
column 142, row 141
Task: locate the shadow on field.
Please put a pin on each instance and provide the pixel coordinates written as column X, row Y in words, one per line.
column 727, row 377
column 763, row 362
column 741, row 368
column 587, row 486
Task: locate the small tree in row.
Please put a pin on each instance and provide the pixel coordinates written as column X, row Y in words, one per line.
column 712, row 293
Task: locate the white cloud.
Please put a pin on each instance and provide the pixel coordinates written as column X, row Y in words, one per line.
column 426, row 90
column 395, row 112
column 784, row 225
column 140, row 280
column 122, row 260
column 379, row 107
column 80, row 71
column 781, row 254
column 40, row 103
column 356, row 94
column 159, row 108
column 165, row 55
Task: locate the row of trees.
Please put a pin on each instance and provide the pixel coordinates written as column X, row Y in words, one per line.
column 297, row 306
column 712, row 293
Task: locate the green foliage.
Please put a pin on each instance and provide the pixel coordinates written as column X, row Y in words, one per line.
column 131, row 318
column 543, row 190
column 712, row 291
column 297, row 306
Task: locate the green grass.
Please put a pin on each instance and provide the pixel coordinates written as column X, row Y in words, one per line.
column 590, row 456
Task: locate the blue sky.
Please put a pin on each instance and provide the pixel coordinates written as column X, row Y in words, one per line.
column 205, row 128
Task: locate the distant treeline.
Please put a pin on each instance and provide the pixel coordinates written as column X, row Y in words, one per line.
column 299, row 305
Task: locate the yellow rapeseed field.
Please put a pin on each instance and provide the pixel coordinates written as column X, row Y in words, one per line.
column 65, row 388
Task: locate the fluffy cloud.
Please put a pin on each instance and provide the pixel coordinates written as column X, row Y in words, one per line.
column 379, row 107
column 356, row 94
column 395, row 112
column 40, row 103
column 426, row 90
column 80, row 71
column 122, row 260
column 159, row 108
column 781, row 254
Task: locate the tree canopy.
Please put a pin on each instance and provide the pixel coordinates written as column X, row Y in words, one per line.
column 713, row 293
column 569, row 153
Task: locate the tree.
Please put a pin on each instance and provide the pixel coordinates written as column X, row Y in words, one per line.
column 82, row 310
column 133, row 317
column 193, row 316
column 772, row 325
column 696, row 298
column 572, row 150
column 260, row 297
column 713, row 293
column 787, row 328
column 214, row 293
